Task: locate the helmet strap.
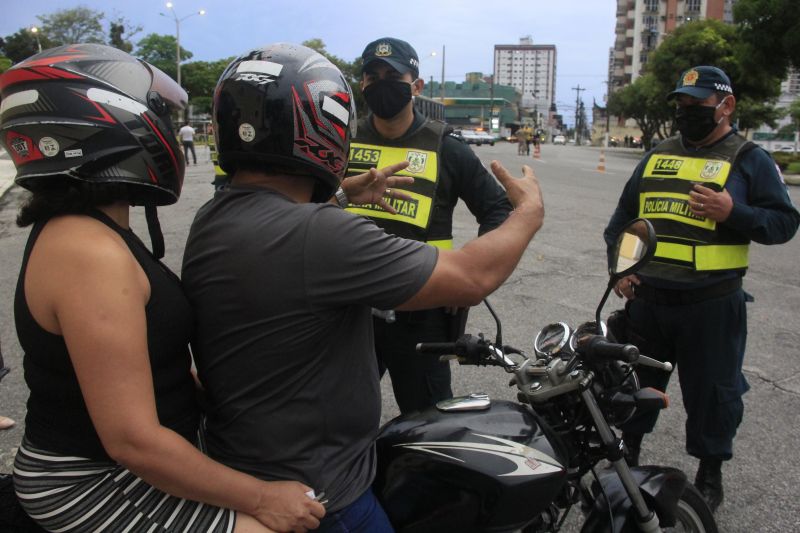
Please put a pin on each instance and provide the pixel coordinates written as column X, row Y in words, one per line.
column 154, row 227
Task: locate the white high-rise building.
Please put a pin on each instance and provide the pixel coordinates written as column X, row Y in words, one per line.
column 643, row 24
column 529, row 68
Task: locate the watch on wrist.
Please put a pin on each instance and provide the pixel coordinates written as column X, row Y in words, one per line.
column 341, row 198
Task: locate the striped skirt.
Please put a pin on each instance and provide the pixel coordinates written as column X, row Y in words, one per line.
column 75, row 494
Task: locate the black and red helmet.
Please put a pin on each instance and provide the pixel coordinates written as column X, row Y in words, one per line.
column 285, row 105
column 93, row 113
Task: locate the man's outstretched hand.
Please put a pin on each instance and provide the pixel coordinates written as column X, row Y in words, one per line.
column 377, row 186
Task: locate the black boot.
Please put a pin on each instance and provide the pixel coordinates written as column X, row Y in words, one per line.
column 709, row 481
column 633, row 445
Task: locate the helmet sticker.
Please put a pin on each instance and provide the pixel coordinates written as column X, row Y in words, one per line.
column 260, row 72
column 247, row 132
column 73, row 153
column 22, row 148
column 19, row 99
column 49, row 146
column 260, row 67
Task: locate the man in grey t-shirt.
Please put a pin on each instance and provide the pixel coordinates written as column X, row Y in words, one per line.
column 283, row 284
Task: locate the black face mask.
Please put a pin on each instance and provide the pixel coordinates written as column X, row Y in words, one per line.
column 696, row 122
column 386, row 98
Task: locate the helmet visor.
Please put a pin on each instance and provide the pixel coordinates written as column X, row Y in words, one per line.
column 172, row 93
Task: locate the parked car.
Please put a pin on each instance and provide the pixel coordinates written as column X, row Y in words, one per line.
column 559, row 139
column 484, row 137
column 468, row 136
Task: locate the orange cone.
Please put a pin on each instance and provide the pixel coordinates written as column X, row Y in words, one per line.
column 536, row 153
column 601, row 166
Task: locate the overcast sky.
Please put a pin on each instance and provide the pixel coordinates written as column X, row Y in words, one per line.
column 581, row 30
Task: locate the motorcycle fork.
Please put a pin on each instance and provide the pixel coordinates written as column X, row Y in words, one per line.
column 646, row 519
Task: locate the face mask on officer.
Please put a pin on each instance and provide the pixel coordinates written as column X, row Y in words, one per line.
column 696, row 122
column 386, row 98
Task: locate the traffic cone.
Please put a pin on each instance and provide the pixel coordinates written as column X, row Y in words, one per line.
column 536, row 153
column 601, row 166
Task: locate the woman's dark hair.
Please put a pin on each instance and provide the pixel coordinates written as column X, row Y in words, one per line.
column 64, row 197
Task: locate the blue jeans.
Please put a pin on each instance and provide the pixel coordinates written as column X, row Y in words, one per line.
column 363, row 515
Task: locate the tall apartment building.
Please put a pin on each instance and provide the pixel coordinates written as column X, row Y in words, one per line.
column 529, row 68
column 767, row 137
column 643, row 24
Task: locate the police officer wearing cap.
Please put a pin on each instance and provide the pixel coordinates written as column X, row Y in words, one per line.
column 708, row 193
column 444, row 169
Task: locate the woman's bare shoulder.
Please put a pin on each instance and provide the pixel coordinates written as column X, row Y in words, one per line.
column 82, row 239
column 84, row 251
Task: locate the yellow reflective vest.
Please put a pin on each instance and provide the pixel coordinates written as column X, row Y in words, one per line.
column 414, row 216
column 690, row 247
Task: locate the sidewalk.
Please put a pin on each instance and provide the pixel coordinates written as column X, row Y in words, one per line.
column 7, row 172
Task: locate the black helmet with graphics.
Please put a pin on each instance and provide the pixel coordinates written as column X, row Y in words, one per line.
column 95, row 114
column 286, row 106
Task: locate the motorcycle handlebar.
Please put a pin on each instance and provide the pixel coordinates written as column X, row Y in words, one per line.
column 437, row 348
column 598, row 347
column 467, row 349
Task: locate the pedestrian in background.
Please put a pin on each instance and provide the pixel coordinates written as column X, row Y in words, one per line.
column 186, row 134
column 708, row 192
column 445, row 169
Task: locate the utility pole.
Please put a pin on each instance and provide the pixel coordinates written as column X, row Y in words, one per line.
column 442, row 74
column 491, row 105
column 577, row 90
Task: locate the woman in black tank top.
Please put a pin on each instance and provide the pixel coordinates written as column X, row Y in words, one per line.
column 104, row 325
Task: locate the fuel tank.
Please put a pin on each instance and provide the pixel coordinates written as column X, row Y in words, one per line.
column 483, row 469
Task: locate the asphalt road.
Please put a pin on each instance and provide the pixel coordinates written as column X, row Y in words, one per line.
column 561, row 278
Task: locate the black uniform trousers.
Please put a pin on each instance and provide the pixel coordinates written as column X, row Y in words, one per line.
column 418, row 380
column 706, row 341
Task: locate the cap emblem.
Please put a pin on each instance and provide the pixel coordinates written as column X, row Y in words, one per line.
column 690, row 78
column 383, row 50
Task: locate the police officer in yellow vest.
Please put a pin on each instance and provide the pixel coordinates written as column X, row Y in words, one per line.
column 708, row 193
column 444, row 169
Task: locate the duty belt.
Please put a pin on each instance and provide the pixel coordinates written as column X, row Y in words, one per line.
column 686, row 296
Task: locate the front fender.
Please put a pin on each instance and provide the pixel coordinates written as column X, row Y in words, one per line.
column 661, row 487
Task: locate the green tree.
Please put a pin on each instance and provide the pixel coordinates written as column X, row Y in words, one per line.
column 770, row 31
column 794, row 113
column 644, row 102
column 76, row 25
column 159, row 50
column 119, row 27
column 22, row 44
column 711, row 42
column 199, row 79
column 5, row 64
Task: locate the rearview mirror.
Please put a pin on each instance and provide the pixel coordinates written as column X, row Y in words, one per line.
column 636, row 244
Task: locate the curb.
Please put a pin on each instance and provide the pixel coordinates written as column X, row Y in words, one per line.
column 7, row 173
column 792, row 179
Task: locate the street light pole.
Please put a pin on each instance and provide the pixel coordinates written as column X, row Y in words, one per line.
column 442, row 88
column 35, row 32
column 178, row 35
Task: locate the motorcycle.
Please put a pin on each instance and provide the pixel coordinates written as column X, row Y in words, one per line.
column 472, row 464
